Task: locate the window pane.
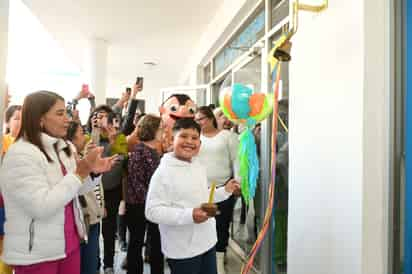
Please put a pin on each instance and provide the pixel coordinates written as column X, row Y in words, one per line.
column 206, row 73
column 280, row 10
column 240, row 43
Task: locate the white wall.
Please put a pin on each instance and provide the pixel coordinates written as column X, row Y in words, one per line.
column 338, row 141
column 151, row 93
column 95, row 68
column 376, row 139
column 326, row 110
column 4, row 20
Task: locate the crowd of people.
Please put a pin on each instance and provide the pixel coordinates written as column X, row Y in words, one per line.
column 63, row 184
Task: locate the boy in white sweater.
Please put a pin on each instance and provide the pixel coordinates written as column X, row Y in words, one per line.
column 177, row 189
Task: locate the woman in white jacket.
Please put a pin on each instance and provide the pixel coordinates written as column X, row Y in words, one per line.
column 40, row 179
column 218, row 154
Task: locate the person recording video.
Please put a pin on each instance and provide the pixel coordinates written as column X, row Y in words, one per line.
column 129, row 102
column 104, row 127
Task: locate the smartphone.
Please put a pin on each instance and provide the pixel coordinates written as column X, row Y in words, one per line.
column 95, row 121
column 69, row 110
column 95, row 136
column 128, row 90
column 139, row 81
column 85, row 87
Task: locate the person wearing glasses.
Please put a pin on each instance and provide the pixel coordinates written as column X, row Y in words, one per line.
column 218, row 154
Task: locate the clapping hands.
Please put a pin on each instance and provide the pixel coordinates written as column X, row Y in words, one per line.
column 96, row 162
column 93, row 161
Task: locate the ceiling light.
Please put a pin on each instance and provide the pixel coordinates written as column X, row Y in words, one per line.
column 150, row 64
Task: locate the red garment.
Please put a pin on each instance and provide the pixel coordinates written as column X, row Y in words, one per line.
column 68, row 265
column 70, row 231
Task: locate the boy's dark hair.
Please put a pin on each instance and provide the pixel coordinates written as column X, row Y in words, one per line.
column 186, row 123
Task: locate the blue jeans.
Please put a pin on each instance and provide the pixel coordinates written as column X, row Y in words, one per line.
column 201, row 264
column 90, row 251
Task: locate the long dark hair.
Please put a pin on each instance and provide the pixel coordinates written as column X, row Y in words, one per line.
column 208, row 112
column 9, row 113
column 34, row 107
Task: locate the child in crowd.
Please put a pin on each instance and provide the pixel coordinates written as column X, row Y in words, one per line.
column 177, row 189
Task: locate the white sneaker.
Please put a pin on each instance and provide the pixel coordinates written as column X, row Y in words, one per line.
column 109, row 270
column 220, row 257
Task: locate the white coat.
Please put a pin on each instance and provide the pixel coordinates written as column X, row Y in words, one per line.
column 35, row 195
column 175, row 189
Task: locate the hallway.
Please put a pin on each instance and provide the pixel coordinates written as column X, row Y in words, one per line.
column 233, row 266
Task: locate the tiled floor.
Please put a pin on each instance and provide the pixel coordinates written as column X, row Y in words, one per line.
column 233, row 263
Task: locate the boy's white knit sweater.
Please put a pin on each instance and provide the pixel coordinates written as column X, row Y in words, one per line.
column 175, row 189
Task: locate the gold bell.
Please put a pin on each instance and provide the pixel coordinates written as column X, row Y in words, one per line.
column 282, row 53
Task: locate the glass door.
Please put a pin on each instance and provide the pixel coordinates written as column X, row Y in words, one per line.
column 400, row 220
column 246, row 219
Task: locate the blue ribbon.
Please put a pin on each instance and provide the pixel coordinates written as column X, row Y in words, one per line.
column 240, row 100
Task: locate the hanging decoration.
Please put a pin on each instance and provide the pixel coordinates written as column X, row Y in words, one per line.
column 279, row 53
column 276, row 72
column 244, row 106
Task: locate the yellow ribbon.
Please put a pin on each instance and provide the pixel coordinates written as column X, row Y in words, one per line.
column 283, row 124
column 271, row 59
